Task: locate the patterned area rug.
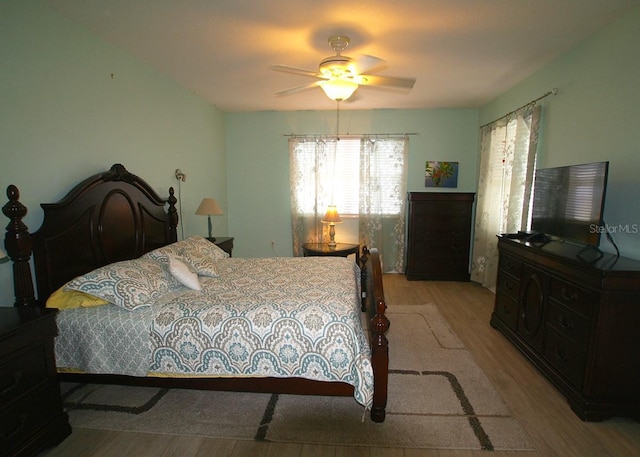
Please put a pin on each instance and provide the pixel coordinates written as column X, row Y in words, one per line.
column 438, row 399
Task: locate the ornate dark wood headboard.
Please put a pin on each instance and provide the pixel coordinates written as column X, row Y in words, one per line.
column 108, row 217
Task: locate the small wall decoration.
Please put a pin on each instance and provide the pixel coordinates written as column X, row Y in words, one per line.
column 441, row 174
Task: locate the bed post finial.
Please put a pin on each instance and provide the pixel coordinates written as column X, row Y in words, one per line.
column 173, row 216
column 18, row 244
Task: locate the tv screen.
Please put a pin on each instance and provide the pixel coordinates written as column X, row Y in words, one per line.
column 568, row 202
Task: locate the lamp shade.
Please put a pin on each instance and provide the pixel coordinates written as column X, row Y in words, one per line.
column 339, row 88
column 209, row 207
column 332, row 216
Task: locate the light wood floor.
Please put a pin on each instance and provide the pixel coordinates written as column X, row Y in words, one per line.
column 553, row 428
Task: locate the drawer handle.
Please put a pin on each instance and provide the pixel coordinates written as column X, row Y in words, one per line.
column 568, row 297
column 564, row 324
column 560, row 356
column 506, row 309
column 15, row 381
column 17, row 429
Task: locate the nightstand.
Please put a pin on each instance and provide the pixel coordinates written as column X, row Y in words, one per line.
column 31, row 415
column 323, row 249
column 223, row 242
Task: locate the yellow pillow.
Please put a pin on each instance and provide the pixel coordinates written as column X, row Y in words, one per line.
column 65, row 299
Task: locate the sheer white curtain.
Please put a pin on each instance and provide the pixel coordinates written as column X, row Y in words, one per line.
column 383, row 193
column 507, row 161
column 311, row 174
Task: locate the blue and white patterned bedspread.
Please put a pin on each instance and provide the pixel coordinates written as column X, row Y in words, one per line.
column 279, row 317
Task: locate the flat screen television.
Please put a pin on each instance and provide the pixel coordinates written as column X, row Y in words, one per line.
column 568, row 202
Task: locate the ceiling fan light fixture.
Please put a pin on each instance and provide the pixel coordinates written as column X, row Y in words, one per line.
column 337, row 67
column 339, row 76
column 339, row 89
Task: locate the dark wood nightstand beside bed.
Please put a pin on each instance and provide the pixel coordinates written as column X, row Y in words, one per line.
column 323, row 249
column 31, row 415
column 223, row 242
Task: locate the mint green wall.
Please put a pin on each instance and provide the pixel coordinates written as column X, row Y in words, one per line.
column 63, row 117
column 594, row 117
column 258, row 163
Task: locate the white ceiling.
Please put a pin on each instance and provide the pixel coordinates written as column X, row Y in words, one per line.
column 463, row 53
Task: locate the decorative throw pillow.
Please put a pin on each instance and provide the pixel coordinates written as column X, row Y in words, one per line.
column 129, row 284
column 195, row 251
column 199, row 246
column 183, row 274
column 66, row 299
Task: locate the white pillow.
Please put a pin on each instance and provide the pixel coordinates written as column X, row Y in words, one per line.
column 183, row 274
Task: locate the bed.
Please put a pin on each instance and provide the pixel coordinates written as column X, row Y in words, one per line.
column 200, row 319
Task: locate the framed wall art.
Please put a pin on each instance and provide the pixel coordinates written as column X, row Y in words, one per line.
column 441, row 174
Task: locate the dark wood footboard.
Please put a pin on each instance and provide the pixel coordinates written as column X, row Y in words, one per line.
column 373, row 303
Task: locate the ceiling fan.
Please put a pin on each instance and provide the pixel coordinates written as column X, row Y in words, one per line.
column 339, row 75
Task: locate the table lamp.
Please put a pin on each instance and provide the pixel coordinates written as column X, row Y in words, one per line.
column 332, row 218
column 209, row 207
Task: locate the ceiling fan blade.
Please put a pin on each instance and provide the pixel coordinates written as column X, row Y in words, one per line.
column 389, row 81
column 293, row 90
column 295, row 70
column 369, row 64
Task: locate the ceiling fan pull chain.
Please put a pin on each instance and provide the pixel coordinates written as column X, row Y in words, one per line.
column 338, row 120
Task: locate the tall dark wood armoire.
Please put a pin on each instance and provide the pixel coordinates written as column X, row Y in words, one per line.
column 439, row 235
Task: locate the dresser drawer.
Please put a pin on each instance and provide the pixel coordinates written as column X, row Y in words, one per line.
column 581, row 300
column 506, row 309
column 23, row 419
column 436, row 263
column 508, row 285
column 22, row 372
column 441, row 210
column 434, row 248
column 510, row 265
column 567, row 357
column 428, row 228
column 569, row 324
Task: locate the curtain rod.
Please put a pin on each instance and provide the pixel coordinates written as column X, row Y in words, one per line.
column 305, row 135
column 553, row 91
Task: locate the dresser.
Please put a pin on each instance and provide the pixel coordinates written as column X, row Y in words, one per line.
column 31, row 415
column 438, row 235
column 576, row 317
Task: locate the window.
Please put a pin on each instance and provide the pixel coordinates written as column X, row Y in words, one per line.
column 338, row 175
column 364, row 177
